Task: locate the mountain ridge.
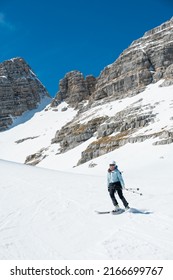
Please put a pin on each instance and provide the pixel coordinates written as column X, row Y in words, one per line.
column 125, row 104
column 143, row 62
column 148, row 60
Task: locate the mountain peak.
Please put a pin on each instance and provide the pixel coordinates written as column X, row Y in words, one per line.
column 145, row 61
column 20, row 90
column 125, row 104
column 74, row 88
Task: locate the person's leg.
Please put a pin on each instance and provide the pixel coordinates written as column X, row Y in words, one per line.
column 120, row 193
column 111, row 190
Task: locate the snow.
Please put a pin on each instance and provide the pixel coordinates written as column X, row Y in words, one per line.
column 36, row 123
column 43, row 124
column 48, row 214
column 48, row 211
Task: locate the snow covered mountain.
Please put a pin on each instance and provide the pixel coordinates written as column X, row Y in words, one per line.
column 71, row 141
column 31, row 141
column 54, row 210
column 129, row 102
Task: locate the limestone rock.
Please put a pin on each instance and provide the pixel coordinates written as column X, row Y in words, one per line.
column 73, row 134
column 143, row 62
column 168, row 76
column 20, row 90
column 35, row 158
column 107, row 144
column 117, row 131
column 74, row 88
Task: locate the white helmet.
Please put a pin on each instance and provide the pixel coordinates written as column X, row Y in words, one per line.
column 112, row 162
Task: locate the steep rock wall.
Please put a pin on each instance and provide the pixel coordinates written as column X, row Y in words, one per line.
column 20, row 90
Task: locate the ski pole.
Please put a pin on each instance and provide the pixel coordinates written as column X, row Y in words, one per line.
column 133, row 191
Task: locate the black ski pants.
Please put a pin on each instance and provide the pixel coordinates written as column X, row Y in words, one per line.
column 116, row 187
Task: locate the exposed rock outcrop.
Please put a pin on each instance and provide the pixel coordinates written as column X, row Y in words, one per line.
column 20, row 90
column 35, row 158
column 110, row 143
column 117, row 131
column 74, row 88
column 168, row 76
column 72, row 135
column 143, row 62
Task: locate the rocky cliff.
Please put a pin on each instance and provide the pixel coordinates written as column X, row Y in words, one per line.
column 115, row 109
column 143, row 62
column 20, row 90
column 146, row 61
column 74, row 88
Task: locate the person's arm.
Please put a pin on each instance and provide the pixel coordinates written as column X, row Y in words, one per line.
column 121, row 179
column 108, row 179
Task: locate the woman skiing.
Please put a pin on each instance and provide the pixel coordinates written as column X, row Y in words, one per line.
column 116, row 183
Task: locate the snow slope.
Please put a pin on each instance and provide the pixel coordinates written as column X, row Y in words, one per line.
column 36, row 128
column 39, row 130
column 48, row 214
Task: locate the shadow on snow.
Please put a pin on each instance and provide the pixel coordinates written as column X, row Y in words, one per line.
column 139, row 211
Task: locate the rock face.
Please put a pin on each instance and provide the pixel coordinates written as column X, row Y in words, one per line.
column 72, row 134
column 107, row 144
column 20, row 90
column 145, row 61
column 74, row 89
column 168, row 76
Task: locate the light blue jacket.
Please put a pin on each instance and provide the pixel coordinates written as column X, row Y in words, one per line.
column 115, row 176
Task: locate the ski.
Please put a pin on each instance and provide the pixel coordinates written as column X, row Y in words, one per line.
column 103, row 212
column 117, row 212
column 129, row 210
column 120, row 211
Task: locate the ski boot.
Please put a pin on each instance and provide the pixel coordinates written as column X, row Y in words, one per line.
column 127, row 207
column 117, row 208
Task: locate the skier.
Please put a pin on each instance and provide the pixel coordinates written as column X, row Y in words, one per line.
column 116, row 183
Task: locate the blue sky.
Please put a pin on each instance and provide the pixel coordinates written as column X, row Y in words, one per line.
column 55, row 37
